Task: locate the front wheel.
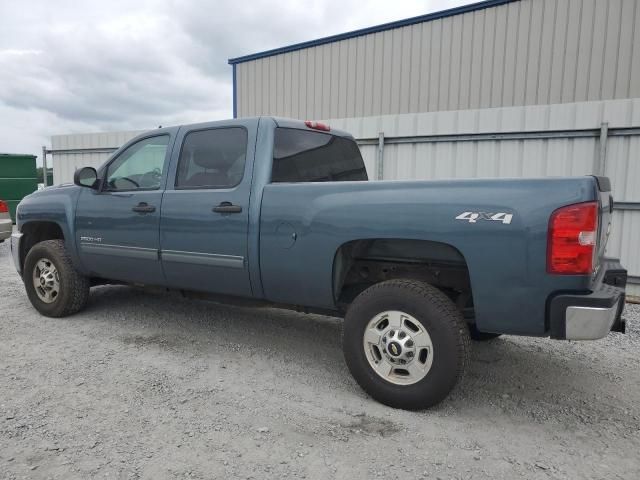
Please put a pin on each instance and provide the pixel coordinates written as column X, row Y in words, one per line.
column 405, row 343
column 54, row 287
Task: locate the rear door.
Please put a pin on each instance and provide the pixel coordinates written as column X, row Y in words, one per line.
column 205, row 209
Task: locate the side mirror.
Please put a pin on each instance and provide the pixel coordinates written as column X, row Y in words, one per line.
column 86, row 177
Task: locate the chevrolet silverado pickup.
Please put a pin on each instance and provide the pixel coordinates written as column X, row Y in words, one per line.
column 280, row 212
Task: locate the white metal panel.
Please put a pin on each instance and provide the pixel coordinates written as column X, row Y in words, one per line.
column 65, row 164
column 623, row 243
column 559, row 156
column 517, row 158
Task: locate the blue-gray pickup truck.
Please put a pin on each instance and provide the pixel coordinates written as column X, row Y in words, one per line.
column 279, row 212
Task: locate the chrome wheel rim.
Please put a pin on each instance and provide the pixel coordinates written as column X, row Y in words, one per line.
column 398, row 347
column 46, row 280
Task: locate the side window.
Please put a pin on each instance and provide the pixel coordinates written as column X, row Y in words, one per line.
column 308, row 156
column 212, row 158
column 139, row 167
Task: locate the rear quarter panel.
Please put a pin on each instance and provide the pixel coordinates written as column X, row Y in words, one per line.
column 507, row 262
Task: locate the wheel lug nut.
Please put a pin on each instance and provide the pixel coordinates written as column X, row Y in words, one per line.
column 384, row 339
column 401, row 335
column 409, row 354
column 392, row 333
column 409, row 343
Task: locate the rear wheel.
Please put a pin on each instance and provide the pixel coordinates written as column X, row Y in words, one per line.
column 405, row 343
column 54, row 287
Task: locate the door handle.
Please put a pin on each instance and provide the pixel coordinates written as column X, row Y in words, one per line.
column 227, row 207
column 144, row 207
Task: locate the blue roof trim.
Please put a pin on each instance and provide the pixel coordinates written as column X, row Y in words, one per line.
column 375, row 29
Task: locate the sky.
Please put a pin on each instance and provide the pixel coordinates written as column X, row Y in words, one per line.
column 73, row 67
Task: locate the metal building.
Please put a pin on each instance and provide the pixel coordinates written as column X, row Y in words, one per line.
column 501, row 88
column 496, row 53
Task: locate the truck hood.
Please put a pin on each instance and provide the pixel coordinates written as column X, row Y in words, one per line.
column 52, row 190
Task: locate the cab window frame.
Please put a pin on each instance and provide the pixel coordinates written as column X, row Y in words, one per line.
column 211, row 187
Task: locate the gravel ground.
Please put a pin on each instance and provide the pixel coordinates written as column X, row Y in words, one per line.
column 143, row 385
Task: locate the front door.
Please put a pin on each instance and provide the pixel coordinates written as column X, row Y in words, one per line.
column 118, row 225
column 205, row 212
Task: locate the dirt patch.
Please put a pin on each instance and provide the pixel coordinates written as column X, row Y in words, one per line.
column 366, row 425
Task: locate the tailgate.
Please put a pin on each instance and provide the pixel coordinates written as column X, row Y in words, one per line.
column 606, row 212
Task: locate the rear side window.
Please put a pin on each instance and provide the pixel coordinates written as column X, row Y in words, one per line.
column 212, row 158
column 306, row 156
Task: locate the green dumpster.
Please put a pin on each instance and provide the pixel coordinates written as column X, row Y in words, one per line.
column 18, row 178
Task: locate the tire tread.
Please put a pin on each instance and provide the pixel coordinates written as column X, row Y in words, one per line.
column 78, row 285
column 439, row 301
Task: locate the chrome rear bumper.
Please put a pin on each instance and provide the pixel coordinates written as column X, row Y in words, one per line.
column 590, row 323
column 591, row 316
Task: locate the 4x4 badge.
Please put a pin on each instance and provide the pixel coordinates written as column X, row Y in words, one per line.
column 473, row 217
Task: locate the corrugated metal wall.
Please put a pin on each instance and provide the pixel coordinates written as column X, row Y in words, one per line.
column 70, row 152
column 528, row 52
column 532, row 157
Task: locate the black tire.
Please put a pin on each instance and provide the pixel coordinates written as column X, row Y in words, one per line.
column 478, row 336
column 442, row 320
column 73, row 287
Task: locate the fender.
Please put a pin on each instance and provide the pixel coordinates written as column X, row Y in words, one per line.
column 54, row 205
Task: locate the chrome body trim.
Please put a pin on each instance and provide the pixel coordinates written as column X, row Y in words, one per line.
column 196, row 258
column 208, row 259
column 120, row 251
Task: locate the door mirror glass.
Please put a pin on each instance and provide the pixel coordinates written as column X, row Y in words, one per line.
column 86, row 177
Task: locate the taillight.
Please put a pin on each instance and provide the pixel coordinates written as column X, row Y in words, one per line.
column 573, row 231
column 317, row 126
column 4, row 208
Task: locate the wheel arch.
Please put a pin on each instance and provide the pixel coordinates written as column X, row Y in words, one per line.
column 35, row 232
column 358, row 264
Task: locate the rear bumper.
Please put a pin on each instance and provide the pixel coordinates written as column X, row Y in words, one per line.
column 591, row 316
column 16, row 238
